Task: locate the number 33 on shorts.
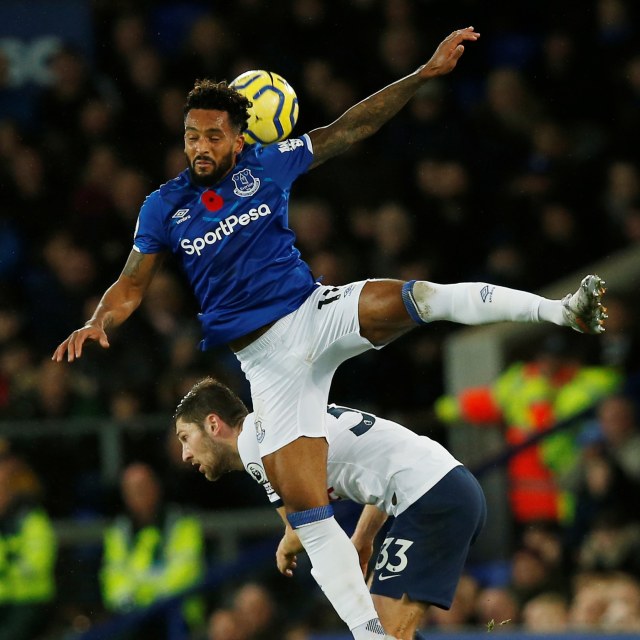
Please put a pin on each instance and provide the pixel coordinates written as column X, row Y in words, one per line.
column 392, row 559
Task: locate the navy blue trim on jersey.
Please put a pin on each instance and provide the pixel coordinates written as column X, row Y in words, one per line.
column 426, row 547
column 367, row 420
column 298, row 519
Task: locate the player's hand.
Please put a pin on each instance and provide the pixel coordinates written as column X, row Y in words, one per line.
column 365, row 551
column 286, row 554
column 72, row 346
column 448, row 53
column 286, row 563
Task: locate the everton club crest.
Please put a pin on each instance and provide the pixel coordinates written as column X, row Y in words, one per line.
column 245, row 184
column 259, row 431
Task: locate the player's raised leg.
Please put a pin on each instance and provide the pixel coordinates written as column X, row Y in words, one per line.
column 389, row 308
column 298, row 473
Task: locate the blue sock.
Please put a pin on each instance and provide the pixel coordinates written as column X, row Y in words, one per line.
column 410, row 303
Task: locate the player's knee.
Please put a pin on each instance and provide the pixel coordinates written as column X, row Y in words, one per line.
column 297, row 503
column 382, row 312
column 301, row 496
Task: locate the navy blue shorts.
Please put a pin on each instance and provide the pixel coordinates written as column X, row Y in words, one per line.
column 424, row 552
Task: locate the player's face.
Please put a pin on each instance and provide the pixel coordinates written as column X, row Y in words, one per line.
column 211, row 145
column 201, row 449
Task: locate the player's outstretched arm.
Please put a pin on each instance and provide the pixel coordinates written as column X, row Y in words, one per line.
column 366, row 117
column 370, row 521
column 119, row 301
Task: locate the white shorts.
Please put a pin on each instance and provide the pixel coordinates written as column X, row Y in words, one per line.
column 290, row 367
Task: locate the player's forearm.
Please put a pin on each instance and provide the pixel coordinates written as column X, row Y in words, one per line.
column 124, row 296
column 363, row 119
column 370, row 522
column 366, row 117
column 116, row 305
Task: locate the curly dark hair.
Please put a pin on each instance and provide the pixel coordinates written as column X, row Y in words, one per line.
column 207, row 94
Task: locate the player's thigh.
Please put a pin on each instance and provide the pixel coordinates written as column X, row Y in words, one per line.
column 383, row 316
column 298, row 473
column 291, row 366
column 399, row 617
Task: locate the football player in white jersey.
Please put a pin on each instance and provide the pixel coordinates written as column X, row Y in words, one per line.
column 437, row 504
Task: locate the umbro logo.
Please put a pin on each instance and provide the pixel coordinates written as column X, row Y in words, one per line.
column 486, row 293
column 181, row 215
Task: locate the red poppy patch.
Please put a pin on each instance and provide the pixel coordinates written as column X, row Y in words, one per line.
column 211, row 200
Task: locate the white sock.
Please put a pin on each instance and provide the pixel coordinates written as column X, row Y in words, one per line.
column 477, row 303
column 551, row 311
column 336, row 568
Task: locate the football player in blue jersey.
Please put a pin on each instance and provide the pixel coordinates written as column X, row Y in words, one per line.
column 225, row 220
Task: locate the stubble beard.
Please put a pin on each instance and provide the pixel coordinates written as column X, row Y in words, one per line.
column 220, row 465
column 210, row 179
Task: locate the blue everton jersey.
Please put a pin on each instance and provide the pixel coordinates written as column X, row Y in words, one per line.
column 233, row 240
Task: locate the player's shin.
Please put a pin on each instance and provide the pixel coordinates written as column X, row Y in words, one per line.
column 475, row 303
column 336, row 569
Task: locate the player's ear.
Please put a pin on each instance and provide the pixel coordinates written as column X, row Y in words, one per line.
column 212, row 424
column 239, row 145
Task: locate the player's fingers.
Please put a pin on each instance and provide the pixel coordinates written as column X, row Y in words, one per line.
column 78, row 338
column 469, row 33
column 457, row 52
column 75, row 348
column 462, row 34
column 58, row 354
column 459, row 33
column 76, row 344
column 71, row 352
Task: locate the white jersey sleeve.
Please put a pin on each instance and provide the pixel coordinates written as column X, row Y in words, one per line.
column 250, row 456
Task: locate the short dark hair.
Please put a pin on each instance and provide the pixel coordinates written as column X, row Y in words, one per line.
column 210, row 396
column 207, row 94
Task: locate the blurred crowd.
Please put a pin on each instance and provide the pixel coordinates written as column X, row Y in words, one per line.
column 521, row 167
